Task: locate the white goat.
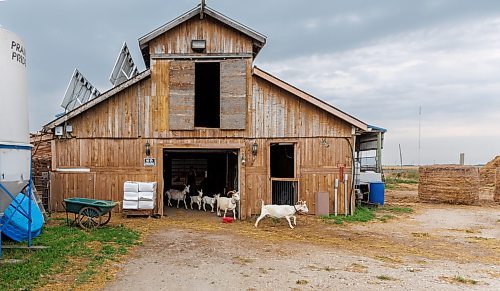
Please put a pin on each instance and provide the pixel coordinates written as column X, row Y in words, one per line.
column 210, row 201
column 280, row 211
column 225, row 203
column 178, row 195
column 197, row 199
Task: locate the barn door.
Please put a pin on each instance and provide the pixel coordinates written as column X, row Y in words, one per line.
column 284, row 182
column 181, row 101
column 233, row 92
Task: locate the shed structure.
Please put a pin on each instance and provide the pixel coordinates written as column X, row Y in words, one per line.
column 201, row 104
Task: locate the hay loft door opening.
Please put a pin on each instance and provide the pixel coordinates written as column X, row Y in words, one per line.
column 214, row 171
column 284, row 184
column 207, row 95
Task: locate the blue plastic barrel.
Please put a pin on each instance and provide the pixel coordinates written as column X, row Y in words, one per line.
column 17, row 227
column 377, row 190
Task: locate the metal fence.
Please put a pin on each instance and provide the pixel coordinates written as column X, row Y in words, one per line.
column 284, row 191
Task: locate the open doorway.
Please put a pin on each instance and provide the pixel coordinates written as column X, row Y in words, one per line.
column 207, row 95
column 213, row 171
column 284, row 184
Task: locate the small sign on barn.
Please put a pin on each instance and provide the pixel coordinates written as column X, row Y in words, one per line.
column 149, row 162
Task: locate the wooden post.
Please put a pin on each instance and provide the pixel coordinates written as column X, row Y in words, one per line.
column 379, row 152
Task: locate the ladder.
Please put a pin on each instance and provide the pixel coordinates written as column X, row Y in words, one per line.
column 38, row 200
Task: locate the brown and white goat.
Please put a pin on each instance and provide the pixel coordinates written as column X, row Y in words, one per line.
column 178, row 195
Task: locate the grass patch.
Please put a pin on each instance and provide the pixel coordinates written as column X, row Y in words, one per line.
column 395, row 180
column 397, row 209
column 385, row 278
column 68, row 248
column 459, row 279
column 301, row 282
column 362, row 214
column 386, row 217
column 464, row 280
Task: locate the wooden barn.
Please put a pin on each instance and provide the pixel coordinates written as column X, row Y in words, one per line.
column 202, row 105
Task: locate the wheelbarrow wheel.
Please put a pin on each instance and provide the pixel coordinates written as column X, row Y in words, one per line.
column 89, row 217
column 105, row 218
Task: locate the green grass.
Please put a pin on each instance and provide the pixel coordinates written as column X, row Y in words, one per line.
column 65, row 246
column 397, row 209
column 385, row 278
column 463, row 280
column 362, row 214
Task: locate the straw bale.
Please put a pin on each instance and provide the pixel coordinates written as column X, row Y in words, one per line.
column 496, row 197
column 448, row 184
column 487, row 173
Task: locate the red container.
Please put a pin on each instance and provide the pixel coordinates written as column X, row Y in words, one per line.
column 227, row 219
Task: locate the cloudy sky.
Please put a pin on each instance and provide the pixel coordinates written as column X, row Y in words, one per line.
column 377, row 60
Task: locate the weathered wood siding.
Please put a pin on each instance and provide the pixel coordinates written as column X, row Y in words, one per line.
column 220, row 38
column 116, row 117
column 233, row 94
column 182, row 75
column 278, row 113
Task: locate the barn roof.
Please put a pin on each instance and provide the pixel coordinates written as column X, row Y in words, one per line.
column 104, row 96
column 310, row 99
column 202, row 10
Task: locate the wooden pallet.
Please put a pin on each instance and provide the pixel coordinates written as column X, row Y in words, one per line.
column 131, row 212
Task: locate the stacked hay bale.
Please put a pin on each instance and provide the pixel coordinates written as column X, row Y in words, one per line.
column 496, row 197
column 487, row 173
column 448, row 184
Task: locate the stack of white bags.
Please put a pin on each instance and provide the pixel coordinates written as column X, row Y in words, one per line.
column 139, row 195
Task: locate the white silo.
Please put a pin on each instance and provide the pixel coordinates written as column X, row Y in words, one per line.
column 15, row 149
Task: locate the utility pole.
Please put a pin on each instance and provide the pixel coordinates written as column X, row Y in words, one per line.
column 400, row 156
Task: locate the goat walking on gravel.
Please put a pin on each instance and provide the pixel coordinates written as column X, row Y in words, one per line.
column 280, row 211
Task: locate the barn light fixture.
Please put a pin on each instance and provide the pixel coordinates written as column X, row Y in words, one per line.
column 148, row 148
column 198, row 45
column 255, row 148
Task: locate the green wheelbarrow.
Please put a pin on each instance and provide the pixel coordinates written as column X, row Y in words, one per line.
column 89, row 213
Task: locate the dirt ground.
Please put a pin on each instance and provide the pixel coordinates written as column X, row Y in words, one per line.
column 436, row 246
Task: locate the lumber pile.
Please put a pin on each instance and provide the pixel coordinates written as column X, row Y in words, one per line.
column 496, row 196
column 448, row 184
column 41, row 163
column 487, row 173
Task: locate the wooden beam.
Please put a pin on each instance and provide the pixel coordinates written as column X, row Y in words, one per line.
column 311, row 99
column 24, row 247
column 200, row 56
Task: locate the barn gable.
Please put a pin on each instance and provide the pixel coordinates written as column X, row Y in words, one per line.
column 222, row 35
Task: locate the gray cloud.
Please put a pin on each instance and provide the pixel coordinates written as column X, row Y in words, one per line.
column 378, row 60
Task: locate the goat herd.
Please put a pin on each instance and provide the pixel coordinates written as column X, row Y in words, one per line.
column 223, row 203
column 226, row 203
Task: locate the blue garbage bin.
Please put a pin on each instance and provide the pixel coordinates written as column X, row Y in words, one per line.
column 377, row 190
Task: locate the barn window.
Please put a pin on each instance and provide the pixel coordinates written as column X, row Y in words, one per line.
column 282, row 161
column 207, row 95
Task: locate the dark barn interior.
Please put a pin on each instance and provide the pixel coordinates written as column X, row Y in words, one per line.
column 216, row 170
